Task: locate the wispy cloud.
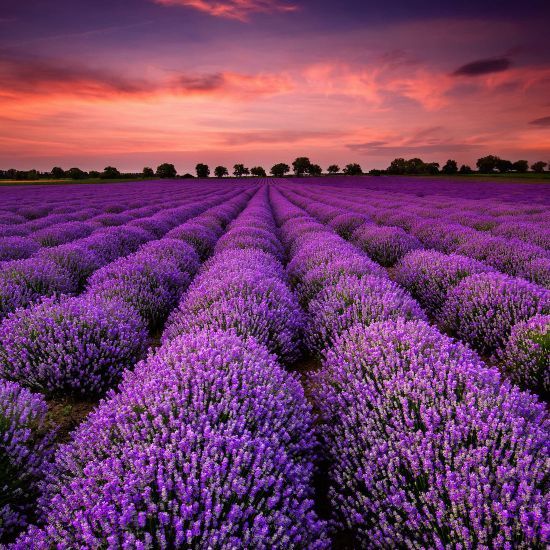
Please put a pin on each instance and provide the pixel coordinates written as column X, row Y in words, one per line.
column 543, row 122
column 484, row 66
column 240, row 10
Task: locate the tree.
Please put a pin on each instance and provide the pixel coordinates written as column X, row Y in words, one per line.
column 76, row 173
column 503, row 165
column 258, row 171
column 450, row 167
column 240, row 170
column 314, row 170
column 301, row 166
column 353, row 169
column 148, row 172
column 415, row 166
column 202, row 170
column 520, row 166
column 188, row 176
column 279, row 170
column 465, row 169
column 539, row 166
column 221, row 171
column 431, row 168
column 110, row 172
column 57, row 172
column 166, row 170
column 333, row 169
column 487, row 164
column 94, row 174
column 375, row 172
column 398, row 167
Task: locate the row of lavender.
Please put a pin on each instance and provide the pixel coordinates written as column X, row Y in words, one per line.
column 64, row 269
column 82, row 345
column 495, row 313
column 208, row 442
column 427, row 446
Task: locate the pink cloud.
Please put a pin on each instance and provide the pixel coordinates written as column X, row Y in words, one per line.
column 240, row 10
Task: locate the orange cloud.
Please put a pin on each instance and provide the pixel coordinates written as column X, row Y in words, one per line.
column 232, row 9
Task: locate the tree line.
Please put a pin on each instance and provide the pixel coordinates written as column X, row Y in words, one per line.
column 302, row 166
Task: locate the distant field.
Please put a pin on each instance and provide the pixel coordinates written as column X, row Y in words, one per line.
column 529, row 177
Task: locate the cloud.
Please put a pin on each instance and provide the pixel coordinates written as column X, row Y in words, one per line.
column 240, row 10
column 483, row 67
column 252, row 138
column 42, row 78
column 544, row 121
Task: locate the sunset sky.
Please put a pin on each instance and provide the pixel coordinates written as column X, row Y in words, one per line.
column 138, row 82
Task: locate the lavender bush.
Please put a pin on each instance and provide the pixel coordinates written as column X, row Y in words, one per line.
column 483, row 308
column 77, row 346
column 24, row 451
column 526, row 356
column 428, row 448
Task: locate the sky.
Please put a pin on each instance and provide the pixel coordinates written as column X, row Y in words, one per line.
column 135, row 83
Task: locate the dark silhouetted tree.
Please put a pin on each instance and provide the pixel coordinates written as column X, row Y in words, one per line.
column 520, row 166
column 398, row 167
column 504, row 166
column 221, row 171
column 487, row 164
column 301, row 166
column 353, row 169
column 187, row 176
column 279, row 170
column 109, row 172
column 258, row 171
column 94, row 174
column 166, row 170
column 450, row 167
column 539, row 166
column 431, row 168
column 240, row 170
column 465, row 169
column 202, row 170
column 148, row 172
column 314, row 170
column 333, row 169
column 76, row 173
column 57, row 172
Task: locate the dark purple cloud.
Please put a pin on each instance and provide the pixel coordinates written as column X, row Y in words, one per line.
column 544, row 121
column 484, row 66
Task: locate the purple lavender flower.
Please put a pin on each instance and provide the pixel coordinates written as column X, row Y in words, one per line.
column 354, row 300
column 76, row 345
column 24, row 281
column 526, row 356
column 429, row 275
column 207, row 444
column 24, row 451
column 17, row 248
column 483, row 308
column 428, row 448
column 385, row 245
column 345, row 224
column 62, row 233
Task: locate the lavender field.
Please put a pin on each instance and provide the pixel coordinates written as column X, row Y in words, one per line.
column 275, row 363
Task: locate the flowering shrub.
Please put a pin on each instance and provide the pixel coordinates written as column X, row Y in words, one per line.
column 24, row 451
column 428, row 449
column 443, row 236
column 62, row 233
column 354, row 300
column 345, row 224
column 151, row 284
column 24, row 281
column 250, row 237
column 201, row 237
column 250, row 302
column 205, row 446
column 385, row 245
column 17, row 248
column 483, row 308
column 538, row 271
column 507, row 255
column 75, row 346
column 526, row 356
column 429, row 275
